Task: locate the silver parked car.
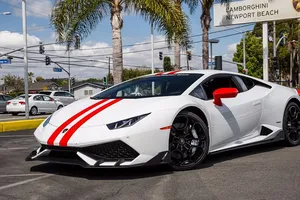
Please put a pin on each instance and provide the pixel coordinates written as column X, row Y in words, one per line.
column 38, row 103
column 65, row 97
column 3, row 102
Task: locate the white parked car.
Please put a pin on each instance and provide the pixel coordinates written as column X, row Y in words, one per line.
column 38, row 103
column 65, row 97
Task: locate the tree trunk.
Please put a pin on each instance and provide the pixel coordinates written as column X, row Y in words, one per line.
column 116, row 23
column 205, row 22
column 177, row 55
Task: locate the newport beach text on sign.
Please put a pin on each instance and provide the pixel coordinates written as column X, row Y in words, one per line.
column 250, row 11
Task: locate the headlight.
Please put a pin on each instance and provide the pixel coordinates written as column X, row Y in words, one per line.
column 126, row 122
column 47, row 121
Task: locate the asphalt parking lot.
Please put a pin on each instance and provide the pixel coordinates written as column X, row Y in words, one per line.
column 260, row 173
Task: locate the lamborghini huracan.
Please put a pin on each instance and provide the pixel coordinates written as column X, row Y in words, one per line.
column 175, row 118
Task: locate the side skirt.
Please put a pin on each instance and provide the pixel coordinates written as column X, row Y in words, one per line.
column 280, row 136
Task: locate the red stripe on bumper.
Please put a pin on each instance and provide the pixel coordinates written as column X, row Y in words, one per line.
column 64, row 141
column 69, row 121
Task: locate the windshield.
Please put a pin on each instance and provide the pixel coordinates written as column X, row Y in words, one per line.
column 165, row 85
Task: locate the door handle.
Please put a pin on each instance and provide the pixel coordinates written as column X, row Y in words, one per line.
column 256, row 103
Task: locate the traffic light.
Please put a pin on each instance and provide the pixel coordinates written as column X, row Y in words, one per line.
column 189, row 55
column 160, row 55
column 104, row 80
column 275, row 62
column 42, row 48
column 48, row 60
column 72, row 81
column 218, row 61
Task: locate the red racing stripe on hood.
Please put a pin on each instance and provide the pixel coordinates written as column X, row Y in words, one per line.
column 70, row 120
column 64, row 141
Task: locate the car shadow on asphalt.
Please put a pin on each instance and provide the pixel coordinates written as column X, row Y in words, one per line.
column 144, row 172
column 211, row 160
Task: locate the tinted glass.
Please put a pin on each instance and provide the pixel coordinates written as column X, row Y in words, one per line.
column 38, row 98
column 61, row 94
column 166, row 85
column 46, row 93
column 2, row 98
column 7, row 98
column 46, row 98
column 216, row 83
column 248, row 82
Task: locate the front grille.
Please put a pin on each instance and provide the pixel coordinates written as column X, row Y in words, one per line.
column 112, row 150
column 108, row 151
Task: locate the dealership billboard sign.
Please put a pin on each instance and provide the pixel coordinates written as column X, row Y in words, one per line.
column 248, row 11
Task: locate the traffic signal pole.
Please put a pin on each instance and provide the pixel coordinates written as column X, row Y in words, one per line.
column 25, row 58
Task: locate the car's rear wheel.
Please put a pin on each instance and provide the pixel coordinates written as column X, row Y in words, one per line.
column 33, row 111
column 188, row 142
column 291, row 124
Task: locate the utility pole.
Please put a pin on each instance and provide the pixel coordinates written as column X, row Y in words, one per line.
column 69, row 69
column 298, row 51
column 25, row 58
column 108, row 75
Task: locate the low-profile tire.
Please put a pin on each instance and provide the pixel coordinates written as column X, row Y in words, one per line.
column 60, row 107
column 33, row 111
column 14, row 114
column 188, row 141
column 291, row 124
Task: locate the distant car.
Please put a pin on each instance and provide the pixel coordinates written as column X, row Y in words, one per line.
column 65, row 97
column 38, row 103
column 3, row 102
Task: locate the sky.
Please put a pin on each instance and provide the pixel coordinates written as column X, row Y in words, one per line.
column 91, row 61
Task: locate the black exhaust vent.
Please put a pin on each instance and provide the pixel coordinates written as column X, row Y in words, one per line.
column 265, row 131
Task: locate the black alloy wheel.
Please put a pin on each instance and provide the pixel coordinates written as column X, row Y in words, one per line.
column 291, row 124
column 188, row 142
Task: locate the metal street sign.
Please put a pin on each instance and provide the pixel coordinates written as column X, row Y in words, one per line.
column 56, row 69
column 5, row 61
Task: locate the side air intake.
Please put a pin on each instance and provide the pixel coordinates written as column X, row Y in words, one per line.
column 265, row 131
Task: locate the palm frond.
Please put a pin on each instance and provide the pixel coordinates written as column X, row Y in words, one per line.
column 78, row 18
column 164, row 16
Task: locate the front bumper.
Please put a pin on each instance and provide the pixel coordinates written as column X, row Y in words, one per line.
column 110, row 155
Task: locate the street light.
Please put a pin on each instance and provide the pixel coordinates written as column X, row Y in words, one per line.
column 5, row 13
column 212, row 41
column 244, row 48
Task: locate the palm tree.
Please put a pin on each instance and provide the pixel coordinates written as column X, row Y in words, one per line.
column 80, row 17
column 205, row 18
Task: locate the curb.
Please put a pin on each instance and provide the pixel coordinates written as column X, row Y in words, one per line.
column 20, row 125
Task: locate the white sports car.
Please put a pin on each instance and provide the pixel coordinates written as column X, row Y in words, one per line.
column 174, row 118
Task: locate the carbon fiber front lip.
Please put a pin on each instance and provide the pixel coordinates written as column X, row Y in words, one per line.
column 159, row 159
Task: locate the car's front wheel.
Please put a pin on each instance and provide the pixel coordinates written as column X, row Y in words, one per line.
column 291, row 124
column 188, row 142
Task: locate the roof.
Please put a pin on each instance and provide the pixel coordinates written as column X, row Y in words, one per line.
column 42, row 85
column 91, row 84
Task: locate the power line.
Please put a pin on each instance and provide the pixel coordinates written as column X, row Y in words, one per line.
column 158, row 41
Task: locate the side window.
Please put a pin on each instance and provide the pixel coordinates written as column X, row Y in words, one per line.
column 248, row 82
column 59, row 94
column 198, row 93
column 7, row 98
column 46, row 98
column 68, row 94
column 241, row 83
column 38, row 98
column 1, row 98
column 216, row 83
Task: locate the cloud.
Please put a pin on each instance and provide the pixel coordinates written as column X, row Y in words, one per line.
column 232, row 48
column 35, row 8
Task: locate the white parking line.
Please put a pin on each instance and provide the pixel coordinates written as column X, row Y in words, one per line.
column 24, row 182
column 8, row 136
column 16, row 148
column 20, row 175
